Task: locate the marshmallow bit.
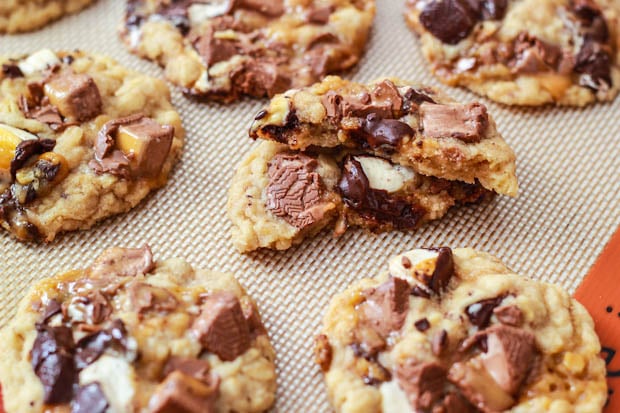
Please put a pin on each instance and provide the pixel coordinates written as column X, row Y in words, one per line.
column 393, row 398
column 117, row 380
column 383, row 175
column 405, row 265
column 38, row 61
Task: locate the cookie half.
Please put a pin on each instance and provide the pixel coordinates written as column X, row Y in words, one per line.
column 382, row 156
column 26, row 15
column 132, row 334
column 81, row 139
column 222, row 49
column 523, row 52
column 457, row 331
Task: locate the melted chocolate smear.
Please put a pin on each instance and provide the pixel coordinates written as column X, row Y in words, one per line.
column 384, row 133
column 89, row 399
column 375, row 204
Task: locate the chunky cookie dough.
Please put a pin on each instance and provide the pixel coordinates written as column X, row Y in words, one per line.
column 383, row 156
column 81, row 138
column 130, row 334
column 25, row 15
column 458, row 332
column 523, row 52
column 222, row 49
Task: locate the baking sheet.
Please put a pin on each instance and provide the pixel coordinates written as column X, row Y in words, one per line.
column 567, row 159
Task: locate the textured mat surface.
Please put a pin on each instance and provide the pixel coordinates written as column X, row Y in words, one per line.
column 568, row 162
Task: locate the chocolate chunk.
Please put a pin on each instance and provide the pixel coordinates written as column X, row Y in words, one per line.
column 92, row 346
column 533, row 55
column 323, row 352
column 511, row 354
column 480, row 312
column 52, row 361
column 449, row 20
column 467, row 123
column 260, row 115
column 221, row 327
column 75, row 95
column 319, row 15
column 375, row 204
column 214, row 50
column 89, row 399
column 479, row 388
column 423, row 383
column 417, row 96
column 190, row 366
column 115, row 164
column 361, row 106
column 45, row 113
column 494, row 9
column 385, row 308
column 422, row 325
column 418, row 291
column 91, row 309
column 259, row 78
column 386, row 91
column 594, row 64
column 444, row 270
column 332, row 101
column 123, row 262
column 28, row 148
column 145, row 297
column 439, row 342
column 180, row 393
column 384, row 134
column 593, row 25
column 271, row 8
column 175, row 12
column 51, row 309
column 295, row 190
column 509, row 314
column 11, row 71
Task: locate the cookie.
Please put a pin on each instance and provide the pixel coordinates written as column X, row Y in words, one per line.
column 523, row 52
column 26, row 15
column 223, row 49
column 456, row 331
column 382, row 156
column 132, row 334
column 81, row 139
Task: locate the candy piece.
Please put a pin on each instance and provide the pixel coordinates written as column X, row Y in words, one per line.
column 75, row 95
column 146, row 143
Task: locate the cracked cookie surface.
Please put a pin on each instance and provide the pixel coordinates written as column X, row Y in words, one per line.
column 566, row 52
column 130, row 334
column 81, row 139
column 223, row 49
column 382, row 156
column 26, row 15
column 457, row 331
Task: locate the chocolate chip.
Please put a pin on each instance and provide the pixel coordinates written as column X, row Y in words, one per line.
column 533, row 55
column 11, row 71
column 593, row 25
column 449, row 20
column 28, row 148
column 439, row 343
column 68, row 60
column 480, row 312
column 52, row 361
column 93, row 308
column 175, row 12
column 417, row 96
column 374, row 204
column 145, row 297
column 444, row 270
column 48, row 170
column 89, row 399
column 422, row 325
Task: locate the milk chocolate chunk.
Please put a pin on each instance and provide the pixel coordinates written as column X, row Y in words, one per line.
column 271, row 8
column 510, row 354
column 52, row 361
column 509, row 314
column 28, row 148
column 123, row 262
column 259, row 78
column 479, row 313
column 384, row 133
column 180, row 393
column 375, row 204
column 386, row 91
column 146, row 144
column 385, row 307
column 444, row 270
column 295, row 190
column 214, row 50
column 479, row 388
column 193, row 367
column 534, row 55
column 464, row 122
column 221, row 327
column 423, row 383
column 449, row 20
column 594, row 64
column 75, row 95
column 89, row 399
column 145, row 297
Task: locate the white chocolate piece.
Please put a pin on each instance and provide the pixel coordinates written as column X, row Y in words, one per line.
column 38, row 61
column 383, row 175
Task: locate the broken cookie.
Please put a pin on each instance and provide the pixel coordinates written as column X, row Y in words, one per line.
column 565, row 53
column 482, row 340
column 133, row 334
column 77, row 141
column 382, row 156
column 224, row 49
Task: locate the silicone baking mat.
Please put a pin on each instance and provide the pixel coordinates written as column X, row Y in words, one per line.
column 568, row 162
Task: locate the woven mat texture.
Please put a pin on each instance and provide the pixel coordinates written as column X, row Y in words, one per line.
column 568, row 207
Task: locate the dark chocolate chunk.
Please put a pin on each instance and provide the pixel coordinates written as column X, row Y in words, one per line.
column 28, row 148
column 417, row 96
column 52, row 361
column 422, row 324
column 594, row 64
column 384, row 133
column 423, row 383
column 386, row 306
column 374, row 204
column 444, row 270
column 260, row 115
column 479, row 313
column 175, row 12
column 11, row 71
column 593, row 24
column 91, row 347
column 449, row 20
column 221, row 327
column 89, row 399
